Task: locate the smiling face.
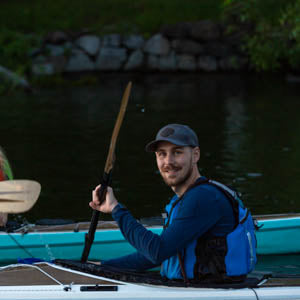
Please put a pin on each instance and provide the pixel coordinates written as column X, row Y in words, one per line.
column 177, row 165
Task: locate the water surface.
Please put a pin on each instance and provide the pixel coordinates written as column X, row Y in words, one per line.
column 248, row 127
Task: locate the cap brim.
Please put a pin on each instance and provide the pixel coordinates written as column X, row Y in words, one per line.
column 152, row 146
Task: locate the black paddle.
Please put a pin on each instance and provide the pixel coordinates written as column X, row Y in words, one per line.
column 106, row 179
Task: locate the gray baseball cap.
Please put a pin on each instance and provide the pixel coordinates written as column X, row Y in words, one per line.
column 177, row 134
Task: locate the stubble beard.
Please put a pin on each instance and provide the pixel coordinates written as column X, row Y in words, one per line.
column 176, row 182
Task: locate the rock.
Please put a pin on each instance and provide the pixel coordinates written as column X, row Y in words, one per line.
column 179, row 30
column 43, row 68
column 134, row 41
column 157, row 45
column 90, row 44
column 186, row 62
column 111, row 59
column 14, row 78
column 111, row 40
column 56, row 37
column 168, row 62
column 233, row 63
column 207, row 63
column 39, row 59
column 152, row 62
column 54, row 50
column 218, row 49
column 79, row 62
column 205, row 30
column 187, row 47
column 135, row 60
column 35, row 52
column 59, row 63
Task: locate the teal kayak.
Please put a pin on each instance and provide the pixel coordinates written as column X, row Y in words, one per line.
column 277, row 234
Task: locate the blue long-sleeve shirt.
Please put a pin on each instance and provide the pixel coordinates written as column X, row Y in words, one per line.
column 202, row 209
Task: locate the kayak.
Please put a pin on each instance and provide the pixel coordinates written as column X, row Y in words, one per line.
column 65, row 280
column 277, row 234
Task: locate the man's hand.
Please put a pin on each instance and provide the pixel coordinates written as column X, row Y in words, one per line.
column 108, row 205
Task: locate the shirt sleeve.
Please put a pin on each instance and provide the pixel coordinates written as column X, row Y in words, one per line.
column 194, row 218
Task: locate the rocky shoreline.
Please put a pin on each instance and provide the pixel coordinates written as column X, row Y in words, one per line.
column 184, row 47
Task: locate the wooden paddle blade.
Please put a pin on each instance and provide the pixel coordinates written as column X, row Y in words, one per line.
column 17, row 196
column 111, row 153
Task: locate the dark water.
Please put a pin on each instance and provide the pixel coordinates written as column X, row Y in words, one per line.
column 248, row 129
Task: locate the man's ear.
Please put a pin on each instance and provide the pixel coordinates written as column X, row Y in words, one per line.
column 196, row 154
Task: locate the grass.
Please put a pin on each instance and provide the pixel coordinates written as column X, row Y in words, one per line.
column 103, row 16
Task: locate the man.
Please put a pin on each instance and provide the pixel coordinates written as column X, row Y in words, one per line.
column 200, row 218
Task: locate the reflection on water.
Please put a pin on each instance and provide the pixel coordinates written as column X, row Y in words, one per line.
column 248, row 130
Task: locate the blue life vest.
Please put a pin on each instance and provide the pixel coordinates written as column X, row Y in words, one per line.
column 218, row 258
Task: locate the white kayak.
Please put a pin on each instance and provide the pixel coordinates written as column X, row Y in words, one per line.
column 52, row 281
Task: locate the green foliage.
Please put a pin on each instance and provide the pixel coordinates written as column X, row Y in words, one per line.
column 272, row 38
column 23, row 22
column 105, row 16
column 15, row 49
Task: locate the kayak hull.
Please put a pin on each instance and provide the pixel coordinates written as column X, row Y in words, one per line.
column 53, row 282
column 277, row 235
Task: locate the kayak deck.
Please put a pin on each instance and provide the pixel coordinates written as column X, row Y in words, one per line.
column 52, row 281
column 44, row 274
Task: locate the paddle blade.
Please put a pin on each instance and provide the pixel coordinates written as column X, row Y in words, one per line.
column 17, row 196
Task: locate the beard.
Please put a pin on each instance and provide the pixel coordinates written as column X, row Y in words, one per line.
column 178, row 179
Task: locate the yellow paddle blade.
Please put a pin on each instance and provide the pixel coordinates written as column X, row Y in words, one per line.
column 17, row 196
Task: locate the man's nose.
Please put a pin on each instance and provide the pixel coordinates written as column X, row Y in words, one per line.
column 169, row 158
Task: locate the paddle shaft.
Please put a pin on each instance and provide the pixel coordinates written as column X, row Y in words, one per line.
column 90, row 236
column 106, row 180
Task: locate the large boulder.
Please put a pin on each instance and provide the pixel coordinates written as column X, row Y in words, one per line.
column 134, row 41
column 135, row 60
column 56, row 37
column 233, row 63
column 186, row 62
column 205, row 30
column 111, row 40
column 157, row 45
column 218, row 49
column 207, row 63
column 79, row 62
column 43, row 68
column 176, row 31
column 14, row 78
column 90, row 44
column 152, row 62
column 111, row 59
column 168, row 62
column 187, row 47
column 57, row 50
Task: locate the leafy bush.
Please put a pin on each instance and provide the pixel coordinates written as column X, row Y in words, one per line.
column 15, row 49
column 273, row 36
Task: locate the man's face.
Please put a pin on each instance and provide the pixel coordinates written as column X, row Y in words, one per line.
column 175, row 163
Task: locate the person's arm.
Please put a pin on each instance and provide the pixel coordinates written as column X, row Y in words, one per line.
column 198, row 213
